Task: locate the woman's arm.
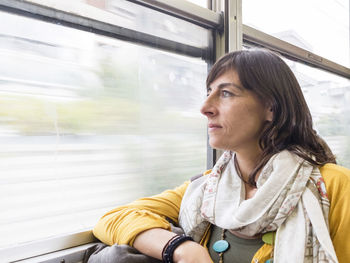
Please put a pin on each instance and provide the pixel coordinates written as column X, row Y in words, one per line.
column 151, row 242
column 123, row 224
column 337, row 180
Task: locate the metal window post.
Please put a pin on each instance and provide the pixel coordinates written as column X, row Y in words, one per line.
column 233, row 25
column 227, row 40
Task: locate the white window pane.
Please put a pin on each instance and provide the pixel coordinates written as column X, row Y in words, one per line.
column 202, row 3
column 88, row 123
column 328, row 97
column 318, row 26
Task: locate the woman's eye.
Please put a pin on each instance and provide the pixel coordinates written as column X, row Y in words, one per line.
column 208, row 92
column 226, row 93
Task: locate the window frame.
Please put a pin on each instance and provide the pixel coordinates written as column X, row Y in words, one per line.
column 98, row 21
column 259, row 38
column 35, row 249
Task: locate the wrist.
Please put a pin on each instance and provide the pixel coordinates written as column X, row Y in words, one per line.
column 172, row 245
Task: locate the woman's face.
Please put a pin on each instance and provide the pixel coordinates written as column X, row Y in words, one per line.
column 235, row 115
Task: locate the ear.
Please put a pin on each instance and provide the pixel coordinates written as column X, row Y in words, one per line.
column 269, row 113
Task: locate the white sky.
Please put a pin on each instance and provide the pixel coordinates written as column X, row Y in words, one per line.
column 323, row 24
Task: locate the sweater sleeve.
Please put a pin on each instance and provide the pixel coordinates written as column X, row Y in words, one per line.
column 122, row 224
column 337, row 180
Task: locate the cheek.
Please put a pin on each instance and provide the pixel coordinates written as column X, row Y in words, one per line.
column 256, row 121
column 236, row 118
column 249, row 120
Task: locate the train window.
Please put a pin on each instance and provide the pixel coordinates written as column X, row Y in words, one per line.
column 142, row 19
column 89, row 122
column 312, row 25
column 328, row 97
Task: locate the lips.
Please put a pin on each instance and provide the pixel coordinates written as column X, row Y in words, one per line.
column 212, row 125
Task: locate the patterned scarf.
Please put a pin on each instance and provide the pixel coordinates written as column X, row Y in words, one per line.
column 291, row 199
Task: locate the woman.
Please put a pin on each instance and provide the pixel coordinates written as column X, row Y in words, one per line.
column 275, row 193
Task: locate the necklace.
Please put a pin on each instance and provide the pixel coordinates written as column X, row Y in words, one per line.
column 238, row 169
column 221, row 246
column 269, row 238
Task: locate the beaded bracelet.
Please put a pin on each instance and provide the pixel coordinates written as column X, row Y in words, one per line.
column 171, row 245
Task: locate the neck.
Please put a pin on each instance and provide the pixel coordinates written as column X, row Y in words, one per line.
column 247, row 162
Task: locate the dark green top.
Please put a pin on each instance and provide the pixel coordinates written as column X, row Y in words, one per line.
column 240, row 251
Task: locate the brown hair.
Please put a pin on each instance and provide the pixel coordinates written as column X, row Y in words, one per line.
column 265, row 74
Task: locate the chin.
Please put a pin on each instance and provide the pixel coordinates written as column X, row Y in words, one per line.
column 217, row 145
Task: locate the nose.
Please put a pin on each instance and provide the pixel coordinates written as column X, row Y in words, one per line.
column 208, row 108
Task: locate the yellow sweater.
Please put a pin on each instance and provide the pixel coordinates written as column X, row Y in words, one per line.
column 122, row 224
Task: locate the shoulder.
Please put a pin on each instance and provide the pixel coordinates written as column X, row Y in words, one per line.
column 337, row 179
column 198, row 180
column 335, row 173
column 200, row 175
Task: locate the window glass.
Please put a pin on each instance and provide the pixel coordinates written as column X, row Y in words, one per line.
column 202, row 3
column 328, row 97
column 142, row 19
column 88, row 123
column 321, row 27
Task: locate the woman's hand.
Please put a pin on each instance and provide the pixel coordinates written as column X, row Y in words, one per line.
column 191, row 252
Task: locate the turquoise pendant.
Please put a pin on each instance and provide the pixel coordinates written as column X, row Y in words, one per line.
column 269, row 260
column 221, row 246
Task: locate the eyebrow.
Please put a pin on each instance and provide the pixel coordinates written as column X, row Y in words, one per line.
column 223, row 85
